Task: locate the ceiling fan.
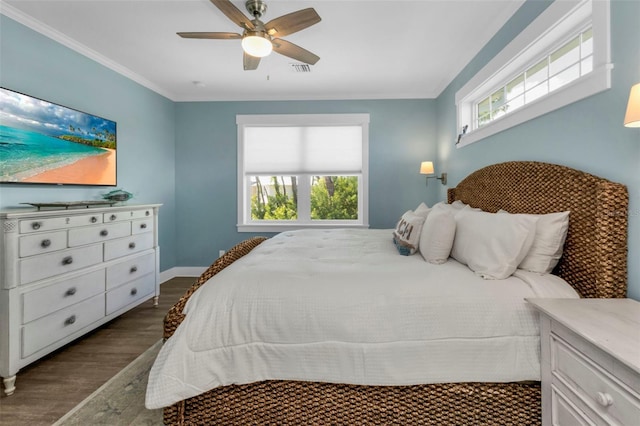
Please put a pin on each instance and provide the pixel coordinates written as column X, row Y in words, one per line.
column 259, row 39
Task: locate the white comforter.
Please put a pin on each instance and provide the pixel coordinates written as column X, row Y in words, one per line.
column 343, row 306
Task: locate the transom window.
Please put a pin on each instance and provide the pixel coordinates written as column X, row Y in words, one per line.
column 562, row 66
column 563, row 56
column 299, row 171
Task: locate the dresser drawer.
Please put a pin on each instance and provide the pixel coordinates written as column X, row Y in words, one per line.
column 48, row 265
column 128, row 270
column 53, row 223
column 47, row 330
column 130, row 292
column 94, row 234
column 43, row 242
column 127, row 215
column 126, row 246
column 614, row 402
column 46, row 300
column 141, row 226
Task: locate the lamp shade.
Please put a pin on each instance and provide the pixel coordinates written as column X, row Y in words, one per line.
column 632, row 117
column 426, row 168
column 257, row 45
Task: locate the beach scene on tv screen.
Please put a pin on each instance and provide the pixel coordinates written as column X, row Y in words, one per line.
column 42, row 142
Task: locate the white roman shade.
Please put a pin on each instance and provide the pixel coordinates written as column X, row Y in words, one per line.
column 303, row 150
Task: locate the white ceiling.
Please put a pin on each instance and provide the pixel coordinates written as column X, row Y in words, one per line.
column 368, row 49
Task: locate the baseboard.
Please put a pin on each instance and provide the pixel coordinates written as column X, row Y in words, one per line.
column 181, row 271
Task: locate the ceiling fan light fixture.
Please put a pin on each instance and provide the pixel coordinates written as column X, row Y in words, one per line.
column 257, row 43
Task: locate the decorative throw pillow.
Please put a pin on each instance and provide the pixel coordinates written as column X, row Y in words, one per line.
column 407, row 233
column 422, row 210
column 492, row 245
column 548, row 243
column 436, row 238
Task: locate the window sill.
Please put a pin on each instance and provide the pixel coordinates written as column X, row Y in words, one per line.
column 276, row 227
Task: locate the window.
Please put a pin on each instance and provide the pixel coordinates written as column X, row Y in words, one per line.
column 298, row 171
column 561, row 57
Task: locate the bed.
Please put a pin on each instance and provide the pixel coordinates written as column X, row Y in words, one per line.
column 593, row 263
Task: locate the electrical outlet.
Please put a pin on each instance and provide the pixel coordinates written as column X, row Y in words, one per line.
column 220, row 253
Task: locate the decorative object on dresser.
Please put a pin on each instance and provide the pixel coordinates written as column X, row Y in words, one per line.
column 590, row 361
column 66, row 272
column 118, row 195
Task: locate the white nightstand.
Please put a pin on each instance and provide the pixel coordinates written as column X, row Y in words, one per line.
column 590, row 360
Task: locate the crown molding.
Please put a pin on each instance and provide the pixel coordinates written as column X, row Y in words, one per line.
column 55, row 35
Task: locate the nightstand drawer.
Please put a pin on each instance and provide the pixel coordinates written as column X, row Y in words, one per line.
column 610, row 399
column 47, row 330
column 564, row 413
column 44, row 242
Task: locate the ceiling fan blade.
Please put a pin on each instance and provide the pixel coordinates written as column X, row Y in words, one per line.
column 293, row 51
column 292, row 22
column 250, row 62
column 233, row 13
column 218, row 36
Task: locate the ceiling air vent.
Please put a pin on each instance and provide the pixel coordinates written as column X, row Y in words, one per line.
column 301, row 67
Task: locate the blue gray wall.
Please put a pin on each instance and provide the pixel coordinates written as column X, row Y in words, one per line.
column 34, row 64
column 587, row 135
column 401, row 134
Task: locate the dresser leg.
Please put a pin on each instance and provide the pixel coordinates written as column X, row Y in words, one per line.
column 155, row 301
column 9, row 385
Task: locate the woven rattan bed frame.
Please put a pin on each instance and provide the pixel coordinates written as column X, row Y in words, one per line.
column 594, row 263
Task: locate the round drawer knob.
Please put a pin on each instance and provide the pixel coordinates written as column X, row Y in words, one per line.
column 604, row 399
column 94, row 219
column 45, row 243
column 147, row 213
column 70, row 320
column 71, row 291
column 132, row 245
column 133, row 269
column 134, row 291
column 36, row 225
column 143, row 225
column 104, row 232
column 67, row 260
column 113, row 217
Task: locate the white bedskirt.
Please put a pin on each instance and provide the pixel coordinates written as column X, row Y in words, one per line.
column 343, row 306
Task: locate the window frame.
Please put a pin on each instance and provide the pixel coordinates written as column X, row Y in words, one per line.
column 244, row 221
column 542, row 37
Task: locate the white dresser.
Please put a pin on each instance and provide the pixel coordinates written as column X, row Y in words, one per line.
column 590, row 361
column 65, row 272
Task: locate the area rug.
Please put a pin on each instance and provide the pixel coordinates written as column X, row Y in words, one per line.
column 120, row 401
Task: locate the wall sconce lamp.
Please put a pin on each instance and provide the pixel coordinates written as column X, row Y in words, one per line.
column 632, row 118
column 426, row 168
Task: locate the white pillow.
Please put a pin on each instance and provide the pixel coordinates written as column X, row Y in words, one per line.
column 454, row 208
column 436, row 238
column 422, row 210
column 407, row 233
column 546, row 250
column 492, row 245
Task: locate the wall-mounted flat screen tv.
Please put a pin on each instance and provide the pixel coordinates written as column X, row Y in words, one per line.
column 45, row 143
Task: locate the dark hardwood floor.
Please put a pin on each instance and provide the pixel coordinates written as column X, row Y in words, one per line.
column 48, row 389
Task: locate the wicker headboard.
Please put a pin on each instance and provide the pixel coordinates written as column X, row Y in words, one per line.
column 594, row 260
